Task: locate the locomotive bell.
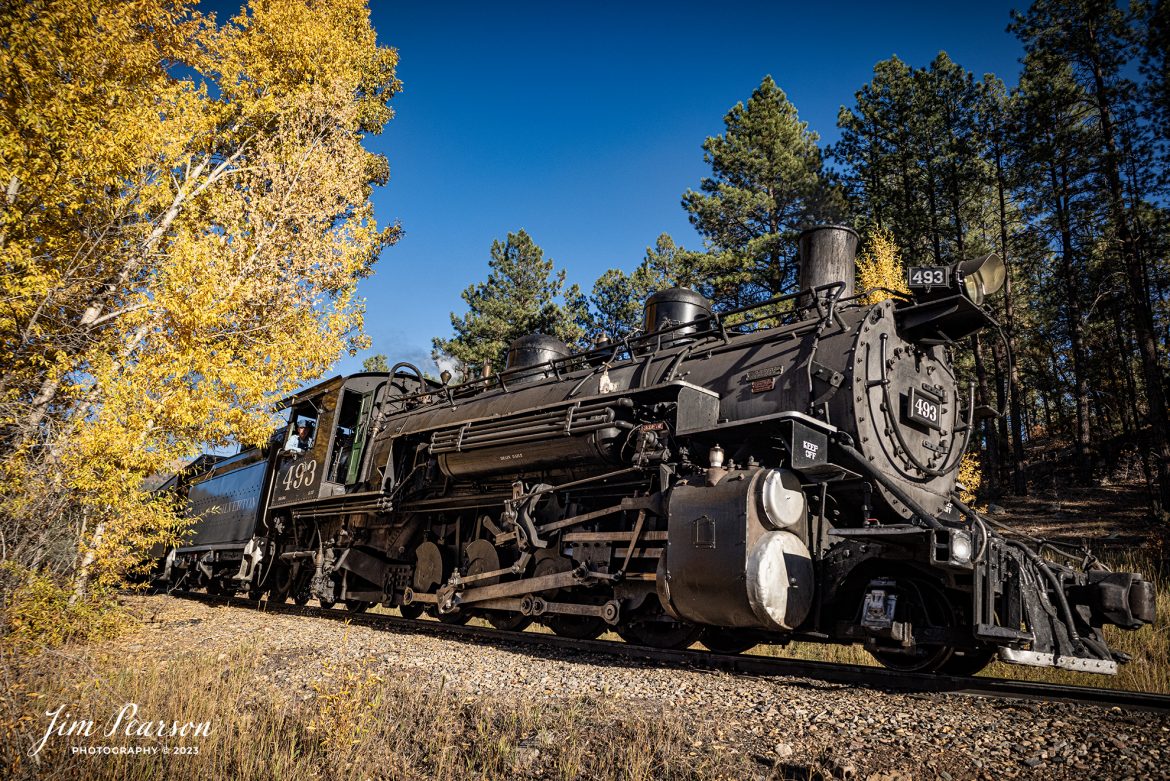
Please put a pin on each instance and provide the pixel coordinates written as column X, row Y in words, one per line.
column 535, row 351
column 669, row 308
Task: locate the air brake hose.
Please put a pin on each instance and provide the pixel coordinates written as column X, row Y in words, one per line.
column 1057, row 585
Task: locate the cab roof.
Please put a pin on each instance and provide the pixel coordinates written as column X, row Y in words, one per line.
column 333, row 383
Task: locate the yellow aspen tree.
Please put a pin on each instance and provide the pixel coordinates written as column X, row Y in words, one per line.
column 879, row 266
column 970, row 477
column 184, row 217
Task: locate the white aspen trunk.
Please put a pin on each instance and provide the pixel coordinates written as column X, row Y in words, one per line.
column 39, row 407
column 81, row 582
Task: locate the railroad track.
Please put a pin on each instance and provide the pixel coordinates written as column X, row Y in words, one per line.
column 744, row 664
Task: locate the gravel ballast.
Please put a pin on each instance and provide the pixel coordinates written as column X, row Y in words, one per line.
column 784, row 724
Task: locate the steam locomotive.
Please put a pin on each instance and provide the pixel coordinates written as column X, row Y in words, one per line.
column 785, row 471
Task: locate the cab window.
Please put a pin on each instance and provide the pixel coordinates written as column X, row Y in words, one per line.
column 302, row 428
column 349, row 439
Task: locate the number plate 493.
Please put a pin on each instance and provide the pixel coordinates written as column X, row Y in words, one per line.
column 927, row 276
column 923, row 410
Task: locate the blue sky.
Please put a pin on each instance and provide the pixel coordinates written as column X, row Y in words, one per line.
column 582, row 124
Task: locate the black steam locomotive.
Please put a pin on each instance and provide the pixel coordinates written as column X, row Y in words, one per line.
column 781, row 472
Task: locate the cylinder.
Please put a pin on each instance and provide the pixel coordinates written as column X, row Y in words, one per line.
column 828, row 253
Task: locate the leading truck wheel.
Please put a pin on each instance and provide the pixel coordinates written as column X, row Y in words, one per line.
column 457, row 618
column 576, row 627
column 921, row 603
column 660, row 634
column 925, row 659
column 507, row 621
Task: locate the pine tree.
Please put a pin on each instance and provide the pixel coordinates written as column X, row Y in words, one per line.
column 1056, row 173
column 668, row 265
column 1156, row 68
column 1097, row 41
column 913, row 157
column 522, row 295
column 614, row 307
column 994, row 117
column 766, row 182
column 882, row 158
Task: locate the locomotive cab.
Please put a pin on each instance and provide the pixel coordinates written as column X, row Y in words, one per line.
column 339, row 416
column 308, row 472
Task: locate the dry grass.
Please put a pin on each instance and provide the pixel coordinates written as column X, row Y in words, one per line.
column 818, row 652
column 349, row 723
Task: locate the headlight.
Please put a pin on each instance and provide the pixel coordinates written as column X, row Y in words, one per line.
column 981, row 277
column 961, row 547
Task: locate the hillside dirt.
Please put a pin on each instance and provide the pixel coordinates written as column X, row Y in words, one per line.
column 1107, row 518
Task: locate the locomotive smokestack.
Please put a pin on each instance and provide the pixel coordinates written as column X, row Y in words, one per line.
column 828, row 253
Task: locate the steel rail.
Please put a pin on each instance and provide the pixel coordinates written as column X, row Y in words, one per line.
column 878, row 678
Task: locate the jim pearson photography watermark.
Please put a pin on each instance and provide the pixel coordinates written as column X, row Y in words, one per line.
column 129, row 734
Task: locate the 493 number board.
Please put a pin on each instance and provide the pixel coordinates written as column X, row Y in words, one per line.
column 923, row 410
column 927, row 276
